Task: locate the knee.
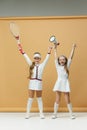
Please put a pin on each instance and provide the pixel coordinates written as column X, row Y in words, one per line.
column 31, row 94
column 67, row 99
column 39, row 94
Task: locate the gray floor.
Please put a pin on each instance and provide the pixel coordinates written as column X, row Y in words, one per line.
column 17, row 121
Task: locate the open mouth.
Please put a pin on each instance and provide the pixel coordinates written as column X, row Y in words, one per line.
column 62, row 63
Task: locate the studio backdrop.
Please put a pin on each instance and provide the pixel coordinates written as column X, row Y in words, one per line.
column 34, row 34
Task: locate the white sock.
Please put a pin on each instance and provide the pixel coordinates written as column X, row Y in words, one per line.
column 70, row 108
column 40, row 104
column 55, row 108
column 29, row 103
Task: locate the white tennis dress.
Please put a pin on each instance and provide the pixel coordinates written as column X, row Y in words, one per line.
column 62, row 84
column 35, row 82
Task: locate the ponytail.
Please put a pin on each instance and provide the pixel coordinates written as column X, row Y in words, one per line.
column 31, row 70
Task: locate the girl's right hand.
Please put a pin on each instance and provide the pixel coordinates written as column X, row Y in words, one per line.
column 55, row 45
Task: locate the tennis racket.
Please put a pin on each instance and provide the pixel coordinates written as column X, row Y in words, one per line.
column 15, row 30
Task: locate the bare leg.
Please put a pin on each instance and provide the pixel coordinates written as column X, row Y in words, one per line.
column 67, row 97
column 58, row 97
column 39, row 94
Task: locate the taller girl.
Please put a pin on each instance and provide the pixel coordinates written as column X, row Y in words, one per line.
column 62, row 84
column 35, row 83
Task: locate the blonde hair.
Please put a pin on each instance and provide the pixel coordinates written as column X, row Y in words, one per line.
column 31, row 70
column 65, row 66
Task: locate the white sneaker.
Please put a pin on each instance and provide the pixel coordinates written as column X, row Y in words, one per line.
column 72, row 117
column 54, row 116
column 42, row 116
column 27, row 116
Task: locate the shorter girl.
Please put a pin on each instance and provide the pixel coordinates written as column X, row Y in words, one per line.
column 62, row 83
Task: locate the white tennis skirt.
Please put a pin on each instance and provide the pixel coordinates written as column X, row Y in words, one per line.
column 62, row 85
column 35, row 85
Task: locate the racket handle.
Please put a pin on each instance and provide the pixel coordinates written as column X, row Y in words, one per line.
column 20, row 49
column 18, row 41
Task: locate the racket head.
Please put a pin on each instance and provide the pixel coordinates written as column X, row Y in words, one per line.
column 14, row 30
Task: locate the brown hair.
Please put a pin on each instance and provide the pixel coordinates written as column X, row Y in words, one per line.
column 65, row 66
column 31, row 69
column 32, row 66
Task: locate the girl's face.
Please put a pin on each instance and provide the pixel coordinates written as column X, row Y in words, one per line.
column 37, row 60
column 62, row 60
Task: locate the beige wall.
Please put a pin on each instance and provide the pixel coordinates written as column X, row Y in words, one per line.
column 35, row 33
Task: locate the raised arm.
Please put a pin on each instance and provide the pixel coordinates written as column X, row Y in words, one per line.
column 72, row 51
column 55, row 51
column 19, row 46
column 56, row 57
column 47, row 56
column 22, row 52
column 49, row 49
